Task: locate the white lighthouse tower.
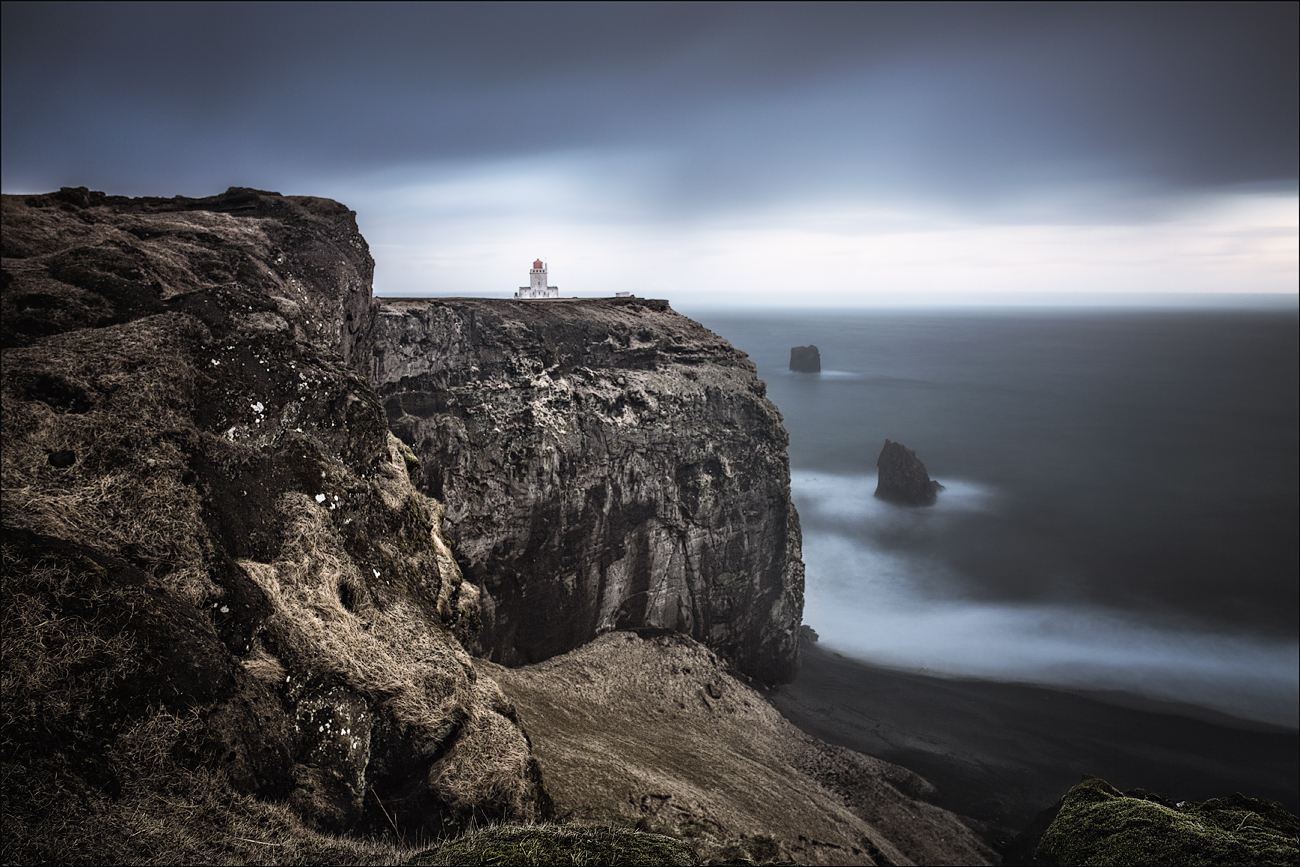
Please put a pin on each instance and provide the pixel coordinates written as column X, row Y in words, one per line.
column 537, row 287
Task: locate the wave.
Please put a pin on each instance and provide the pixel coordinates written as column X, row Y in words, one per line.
column 901, row 607
column 839, row 498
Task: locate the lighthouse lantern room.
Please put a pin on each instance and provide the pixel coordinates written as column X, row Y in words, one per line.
column 537, row 287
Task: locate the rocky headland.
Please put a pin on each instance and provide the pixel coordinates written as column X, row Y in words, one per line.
column 606, row 464
column 233, row 627
column 258, row 525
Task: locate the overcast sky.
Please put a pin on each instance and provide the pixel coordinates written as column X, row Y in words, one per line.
column 709, row 154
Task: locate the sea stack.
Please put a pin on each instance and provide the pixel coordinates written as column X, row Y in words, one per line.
column 903, row 478
column 805, row 359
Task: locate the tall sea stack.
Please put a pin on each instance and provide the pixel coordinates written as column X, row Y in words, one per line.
column 805, row 359
column 903, row 478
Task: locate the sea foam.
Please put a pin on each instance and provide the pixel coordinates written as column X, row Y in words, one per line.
column 898, row 606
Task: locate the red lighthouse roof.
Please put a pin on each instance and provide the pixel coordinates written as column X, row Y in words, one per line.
column 537, row 263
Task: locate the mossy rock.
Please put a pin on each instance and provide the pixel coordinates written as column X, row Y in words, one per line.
column 1098, row 824
column 559, row 844
column 412, row 462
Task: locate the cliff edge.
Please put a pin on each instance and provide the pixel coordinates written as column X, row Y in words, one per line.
column 607, row 464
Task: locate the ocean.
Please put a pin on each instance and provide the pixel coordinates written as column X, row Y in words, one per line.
column 1121, row 506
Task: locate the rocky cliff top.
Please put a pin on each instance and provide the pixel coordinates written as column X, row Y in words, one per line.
column 462, row 340
column 78, row 259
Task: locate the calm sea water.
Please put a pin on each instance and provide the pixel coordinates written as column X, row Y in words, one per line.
column 1122, row 500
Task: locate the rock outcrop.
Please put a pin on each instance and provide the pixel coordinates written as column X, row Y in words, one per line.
column 1097, row 824
column 221, row 589
column 805, row 359
column 903, row 478
column 233, row 625
column 606, row 464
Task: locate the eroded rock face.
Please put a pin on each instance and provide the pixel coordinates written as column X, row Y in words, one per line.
column 805, row 359
column 214, row 555
column 903, row 478
column 606, row 464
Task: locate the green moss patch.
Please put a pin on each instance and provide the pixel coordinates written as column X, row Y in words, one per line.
column 559, row 844
column 1098, row 824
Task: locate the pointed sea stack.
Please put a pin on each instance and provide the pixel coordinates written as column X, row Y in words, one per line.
column 903, row 479
column 805, row 359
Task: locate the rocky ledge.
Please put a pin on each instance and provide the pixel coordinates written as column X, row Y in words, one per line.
column 607, row 464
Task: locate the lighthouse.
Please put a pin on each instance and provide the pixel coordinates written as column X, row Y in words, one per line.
column 537, row 287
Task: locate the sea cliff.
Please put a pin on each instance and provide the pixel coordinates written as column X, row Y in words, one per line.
column 235, row 629
column 606, row 464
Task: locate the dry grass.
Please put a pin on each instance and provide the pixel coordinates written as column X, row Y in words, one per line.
column 387, row 651
column 488, row 771
column 392, row 650
column 77, row 792
column 164, row 814
column 55, row 665
column 549, row 844
column 125, row 493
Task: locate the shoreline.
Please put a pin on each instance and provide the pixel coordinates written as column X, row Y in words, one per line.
column 1003, row 752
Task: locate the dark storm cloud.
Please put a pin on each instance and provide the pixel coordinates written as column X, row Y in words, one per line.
column 960, row 102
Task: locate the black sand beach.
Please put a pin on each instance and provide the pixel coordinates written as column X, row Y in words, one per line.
column 1003, row 752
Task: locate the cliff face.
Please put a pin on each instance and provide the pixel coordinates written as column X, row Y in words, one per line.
column 606, row 464
column 219, row 580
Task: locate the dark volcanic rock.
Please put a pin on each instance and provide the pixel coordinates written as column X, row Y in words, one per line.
column 903, row 478
column 606, row 464
column 805, row 359
column 215, row 561
column 80, row 259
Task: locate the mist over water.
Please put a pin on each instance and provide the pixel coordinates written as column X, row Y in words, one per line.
column 1121, row 503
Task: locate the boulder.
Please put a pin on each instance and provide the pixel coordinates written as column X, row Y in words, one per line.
column 805, row 359
column 1097, row 824
column 903, row 478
